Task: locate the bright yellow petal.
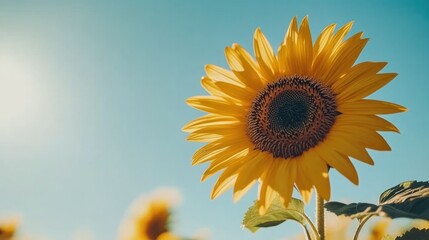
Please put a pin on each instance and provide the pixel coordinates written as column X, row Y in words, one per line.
column 265, row 55
column 243, row 95
column 367, row 137
column 304, row 49
column 221, row 162
column 369, row 106
column 228, row 91
column 344, row 57
column 325, row 49
column 348, row 146
column 208, row 152
column 209, row 120
column 303, row 183
column 216, row 131
column 225, row 181
column 322, row 41
column 365, row 87
column 292, row 33
column 359, row 72
column 220, row 74
column 214, row 104
column 289, row 41
column 338, row 37
column 250, row 172
column 242, row 70
column 202, row 137
column 251, row 69
column 283, row 178
column 266, row 192
column 370, row 121
column 316, row 170
column 218, row 148
column 338, row 161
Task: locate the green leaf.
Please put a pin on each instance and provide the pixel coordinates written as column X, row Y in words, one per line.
column 276, row 214
column 414, row 234
column 408, row 199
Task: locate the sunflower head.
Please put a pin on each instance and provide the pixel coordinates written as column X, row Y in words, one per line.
column 149, row 217
column 284, row 118
column 8, row 229
column 154, row 222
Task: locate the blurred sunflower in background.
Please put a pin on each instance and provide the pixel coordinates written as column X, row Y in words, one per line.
column 8, row 229
column 149, row 218
column 284, row 119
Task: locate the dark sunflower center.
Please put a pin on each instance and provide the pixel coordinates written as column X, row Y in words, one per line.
column 288, row 110
column 291, row 116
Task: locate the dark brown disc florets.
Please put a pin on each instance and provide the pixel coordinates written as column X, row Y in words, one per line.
column 291, row 115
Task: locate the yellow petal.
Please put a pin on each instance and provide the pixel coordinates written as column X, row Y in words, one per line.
column 365, row 87
column 221, row 162
column 292, row 33
column 323, row 40
column 214, row 104
column 369, row 106
column 220, row 74
column 344, row 57
column 243, row 95
column 242, row 70
column 365, row 136
column 304, row 49
column 326, row 49
column 348, row 146
column 202, row 137
column 371, row 121
column 265, row 55
column 297, row 50
column 338, row 161
column 358, row 72
column 208, row 152
column 249, row 174
column 338, row 37
column 303, row 184
column 224, row 90
column 209, row 120
column 225, row 181
column 266, row 193
column 288, row 42
column 322, row 53
column 283, row 178
column 218, row 148
column 251, row 69
column 316, row 170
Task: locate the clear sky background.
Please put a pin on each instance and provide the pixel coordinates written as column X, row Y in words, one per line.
column 92, row 105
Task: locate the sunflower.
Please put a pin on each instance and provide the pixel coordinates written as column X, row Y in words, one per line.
column 8, row 229
column 149, row 221
column 285, row 119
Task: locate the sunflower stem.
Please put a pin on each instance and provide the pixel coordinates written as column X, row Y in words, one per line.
column 361, row 223
column 313, row 228
column 307, row 233
column 320, row 216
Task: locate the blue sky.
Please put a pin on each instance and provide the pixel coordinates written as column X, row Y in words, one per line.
column 92, row 104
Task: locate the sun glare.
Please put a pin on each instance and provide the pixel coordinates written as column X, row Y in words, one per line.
column 20, row 95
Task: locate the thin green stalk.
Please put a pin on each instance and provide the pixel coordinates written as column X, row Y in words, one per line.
column 361, row 223
column 307, row 233
column 313, row 228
